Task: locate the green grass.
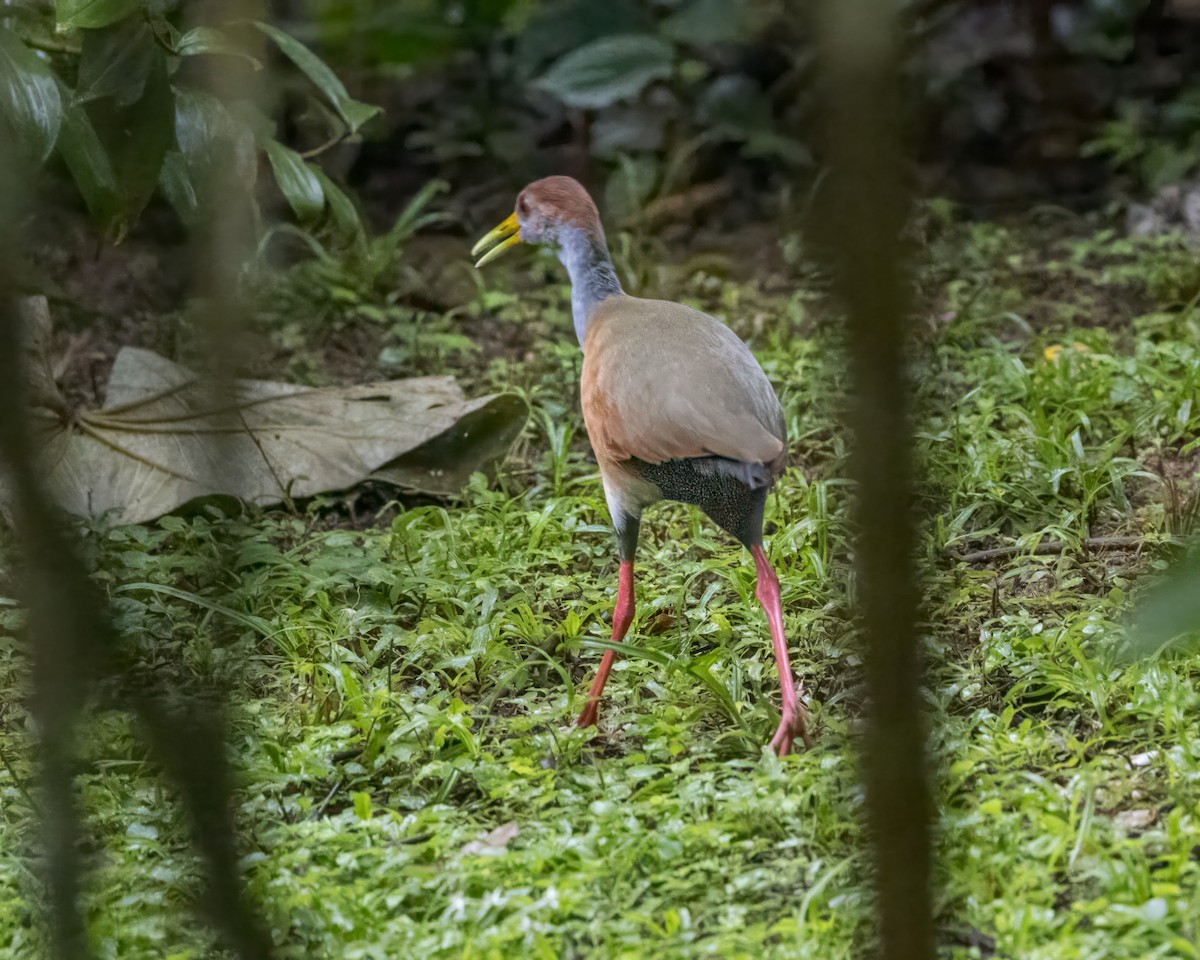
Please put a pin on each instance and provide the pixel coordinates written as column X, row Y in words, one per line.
column 401, row 691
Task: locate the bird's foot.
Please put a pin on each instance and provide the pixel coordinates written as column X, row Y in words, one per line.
column 793, row 724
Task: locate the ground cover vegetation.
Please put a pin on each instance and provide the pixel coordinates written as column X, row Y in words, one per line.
column 399, row 673
column 409, row 782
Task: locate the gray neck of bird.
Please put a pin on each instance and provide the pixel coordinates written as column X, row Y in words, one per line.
column 593, row 278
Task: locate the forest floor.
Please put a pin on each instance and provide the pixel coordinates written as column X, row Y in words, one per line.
column 404, row 674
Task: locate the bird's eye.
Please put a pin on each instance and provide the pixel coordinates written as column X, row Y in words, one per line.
column 522, row 207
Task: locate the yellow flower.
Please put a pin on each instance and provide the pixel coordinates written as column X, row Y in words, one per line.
column 1054, row 351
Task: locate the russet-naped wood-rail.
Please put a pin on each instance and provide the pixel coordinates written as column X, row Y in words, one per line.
column 676, row 407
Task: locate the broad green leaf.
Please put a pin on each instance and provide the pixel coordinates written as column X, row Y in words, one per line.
column 705, row 22
column 608, row 70
column 353, row 112
column 299, row 184
column 200, row 120
column 175, row 182
column 136, row 138
column 30, row 103
column 216, row 150
column 206, row 40
column 86, row 158
column 556, row 28
column 343, row 213
column 734, row 102
column 92, row 14
column 209, row 134
column 115, row 62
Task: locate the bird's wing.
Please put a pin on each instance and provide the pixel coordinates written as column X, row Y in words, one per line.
column 662, row 381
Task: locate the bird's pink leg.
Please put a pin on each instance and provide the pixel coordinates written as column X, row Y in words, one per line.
column 622, row 617
column 794, row 721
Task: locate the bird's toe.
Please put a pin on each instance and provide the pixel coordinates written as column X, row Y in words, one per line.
column 589, row 716
column 793, row 724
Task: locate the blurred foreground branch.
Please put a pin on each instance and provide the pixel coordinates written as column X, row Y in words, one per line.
column 69, row 632
column 72, row 645
column 860, row 217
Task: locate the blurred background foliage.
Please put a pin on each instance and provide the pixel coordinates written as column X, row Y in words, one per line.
column 134, row 99
column 1018, row 100
column 672, row 105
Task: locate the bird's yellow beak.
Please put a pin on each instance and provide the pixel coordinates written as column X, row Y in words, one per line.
column 508, row 234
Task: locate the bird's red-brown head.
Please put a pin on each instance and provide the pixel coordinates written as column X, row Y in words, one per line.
column 548, row 204
column 544, row 210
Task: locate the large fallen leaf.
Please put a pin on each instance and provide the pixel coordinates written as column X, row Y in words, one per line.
column 165, row 436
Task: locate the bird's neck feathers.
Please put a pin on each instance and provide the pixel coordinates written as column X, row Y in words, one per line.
column 593, row 279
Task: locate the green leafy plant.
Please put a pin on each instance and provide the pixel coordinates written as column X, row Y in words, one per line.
column 113, row 89
column 616, row 67
column 1159, row 144
column 667, row 87
column 407, row 683
column 361, row 273
column 609, row 70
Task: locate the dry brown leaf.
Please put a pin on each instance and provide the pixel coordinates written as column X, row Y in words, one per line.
column 165, row 436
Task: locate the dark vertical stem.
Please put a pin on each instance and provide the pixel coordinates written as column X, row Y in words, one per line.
column 190, row 742
column 861, row 215
column 190, row 745
column 60, row 678
column 66, row 634
column 72, row 639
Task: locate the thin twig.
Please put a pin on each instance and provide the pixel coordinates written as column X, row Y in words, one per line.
column 338, row 137
column 50, row 46
column 1050, row 547
column 316, row 814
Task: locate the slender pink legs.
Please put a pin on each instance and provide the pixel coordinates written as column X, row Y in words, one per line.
column 622, row 617
column 794, row 722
